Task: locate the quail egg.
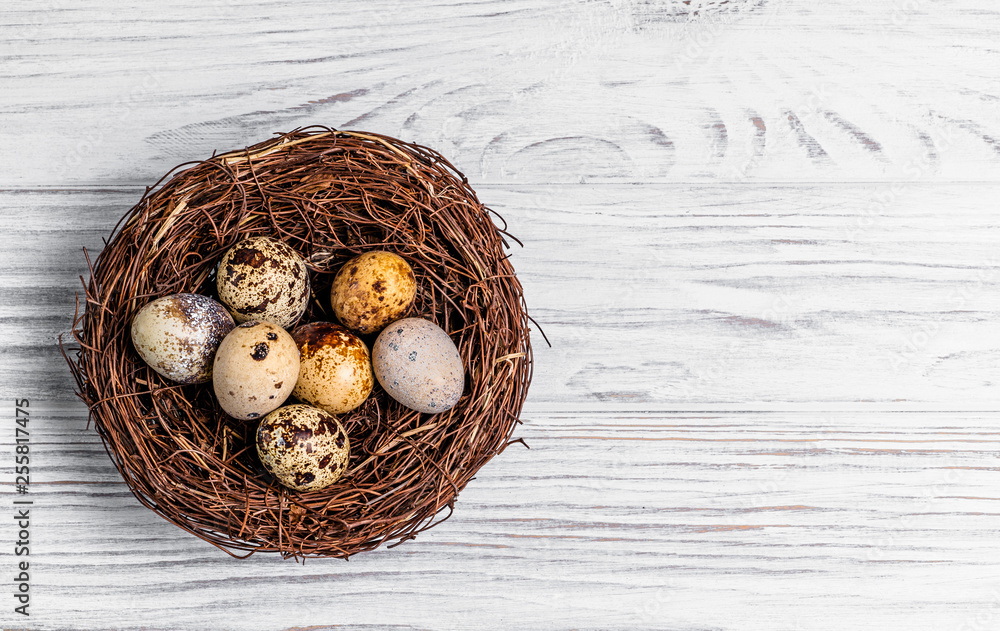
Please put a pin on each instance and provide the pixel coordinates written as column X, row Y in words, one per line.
column 304, row 447
column 178, row 335
column 264, row 280
column 419, row 365
column 336, row 372
column 256, row 367
column 372, row 290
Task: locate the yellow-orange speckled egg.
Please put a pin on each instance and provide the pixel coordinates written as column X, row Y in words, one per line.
column 178, row 335
column 255, row 369
column 372, row 290
column 265, row 280
column 304, row 447
column 335, row 372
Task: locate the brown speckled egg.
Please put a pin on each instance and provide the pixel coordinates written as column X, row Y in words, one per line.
column 372, row 290
column 178, row 335
column 419, row 365
column 264, row 280
column 255, row 369
column 304, row 447
column 336, row 371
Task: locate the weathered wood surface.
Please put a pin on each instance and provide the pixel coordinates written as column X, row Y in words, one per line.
column 663, row 296
column 541, row 91
column 709, row 521
column 761, row 236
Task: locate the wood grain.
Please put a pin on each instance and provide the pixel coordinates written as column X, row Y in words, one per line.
column 761, row 235
column 536, row 92
column 664, row 297
column 709, row 521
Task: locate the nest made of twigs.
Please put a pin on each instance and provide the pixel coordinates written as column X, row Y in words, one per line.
column 330, row 195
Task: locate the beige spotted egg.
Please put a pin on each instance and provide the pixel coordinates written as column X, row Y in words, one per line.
column 304, row 447
column 178, row 335
column 255, row 369
column 264, row 280
column 335, row 373
column 419, row 365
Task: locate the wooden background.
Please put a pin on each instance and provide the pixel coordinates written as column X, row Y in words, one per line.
column 760, row 234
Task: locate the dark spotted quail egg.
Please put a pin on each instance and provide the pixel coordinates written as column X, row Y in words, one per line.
column 178, row 335
column 304, row 447
column 419, row 365
column 256, row 367
column 265, row 280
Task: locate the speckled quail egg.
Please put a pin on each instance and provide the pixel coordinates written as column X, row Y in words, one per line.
column 255, row 369
column 304, row 447
column 178, row 335
column 336, row 372
column 419, row 365
column 372, row 290
column 264, row 280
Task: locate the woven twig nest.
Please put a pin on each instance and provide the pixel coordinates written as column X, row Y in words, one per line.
column 330, row 195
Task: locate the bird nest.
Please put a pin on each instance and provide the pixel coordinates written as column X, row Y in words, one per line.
column 330, row 195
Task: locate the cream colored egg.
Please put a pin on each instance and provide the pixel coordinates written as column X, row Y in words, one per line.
column 304, row 447
column 372, row 290
column 178, row 335
column 419, row 365
column 264, row 280
column 255, row 369
column 335, row 373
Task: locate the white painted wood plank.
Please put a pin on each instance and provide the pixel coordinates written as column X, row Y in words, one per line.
column 786, row 205
column 538, row 92
column 661, row 297
column 731, row 521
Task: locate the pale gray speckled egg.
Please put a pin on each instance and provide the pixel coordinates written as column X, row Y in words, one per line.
column 265, row 280
column 304, row 447
column 178, row 335
column 419, row 365
column 256, row 367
